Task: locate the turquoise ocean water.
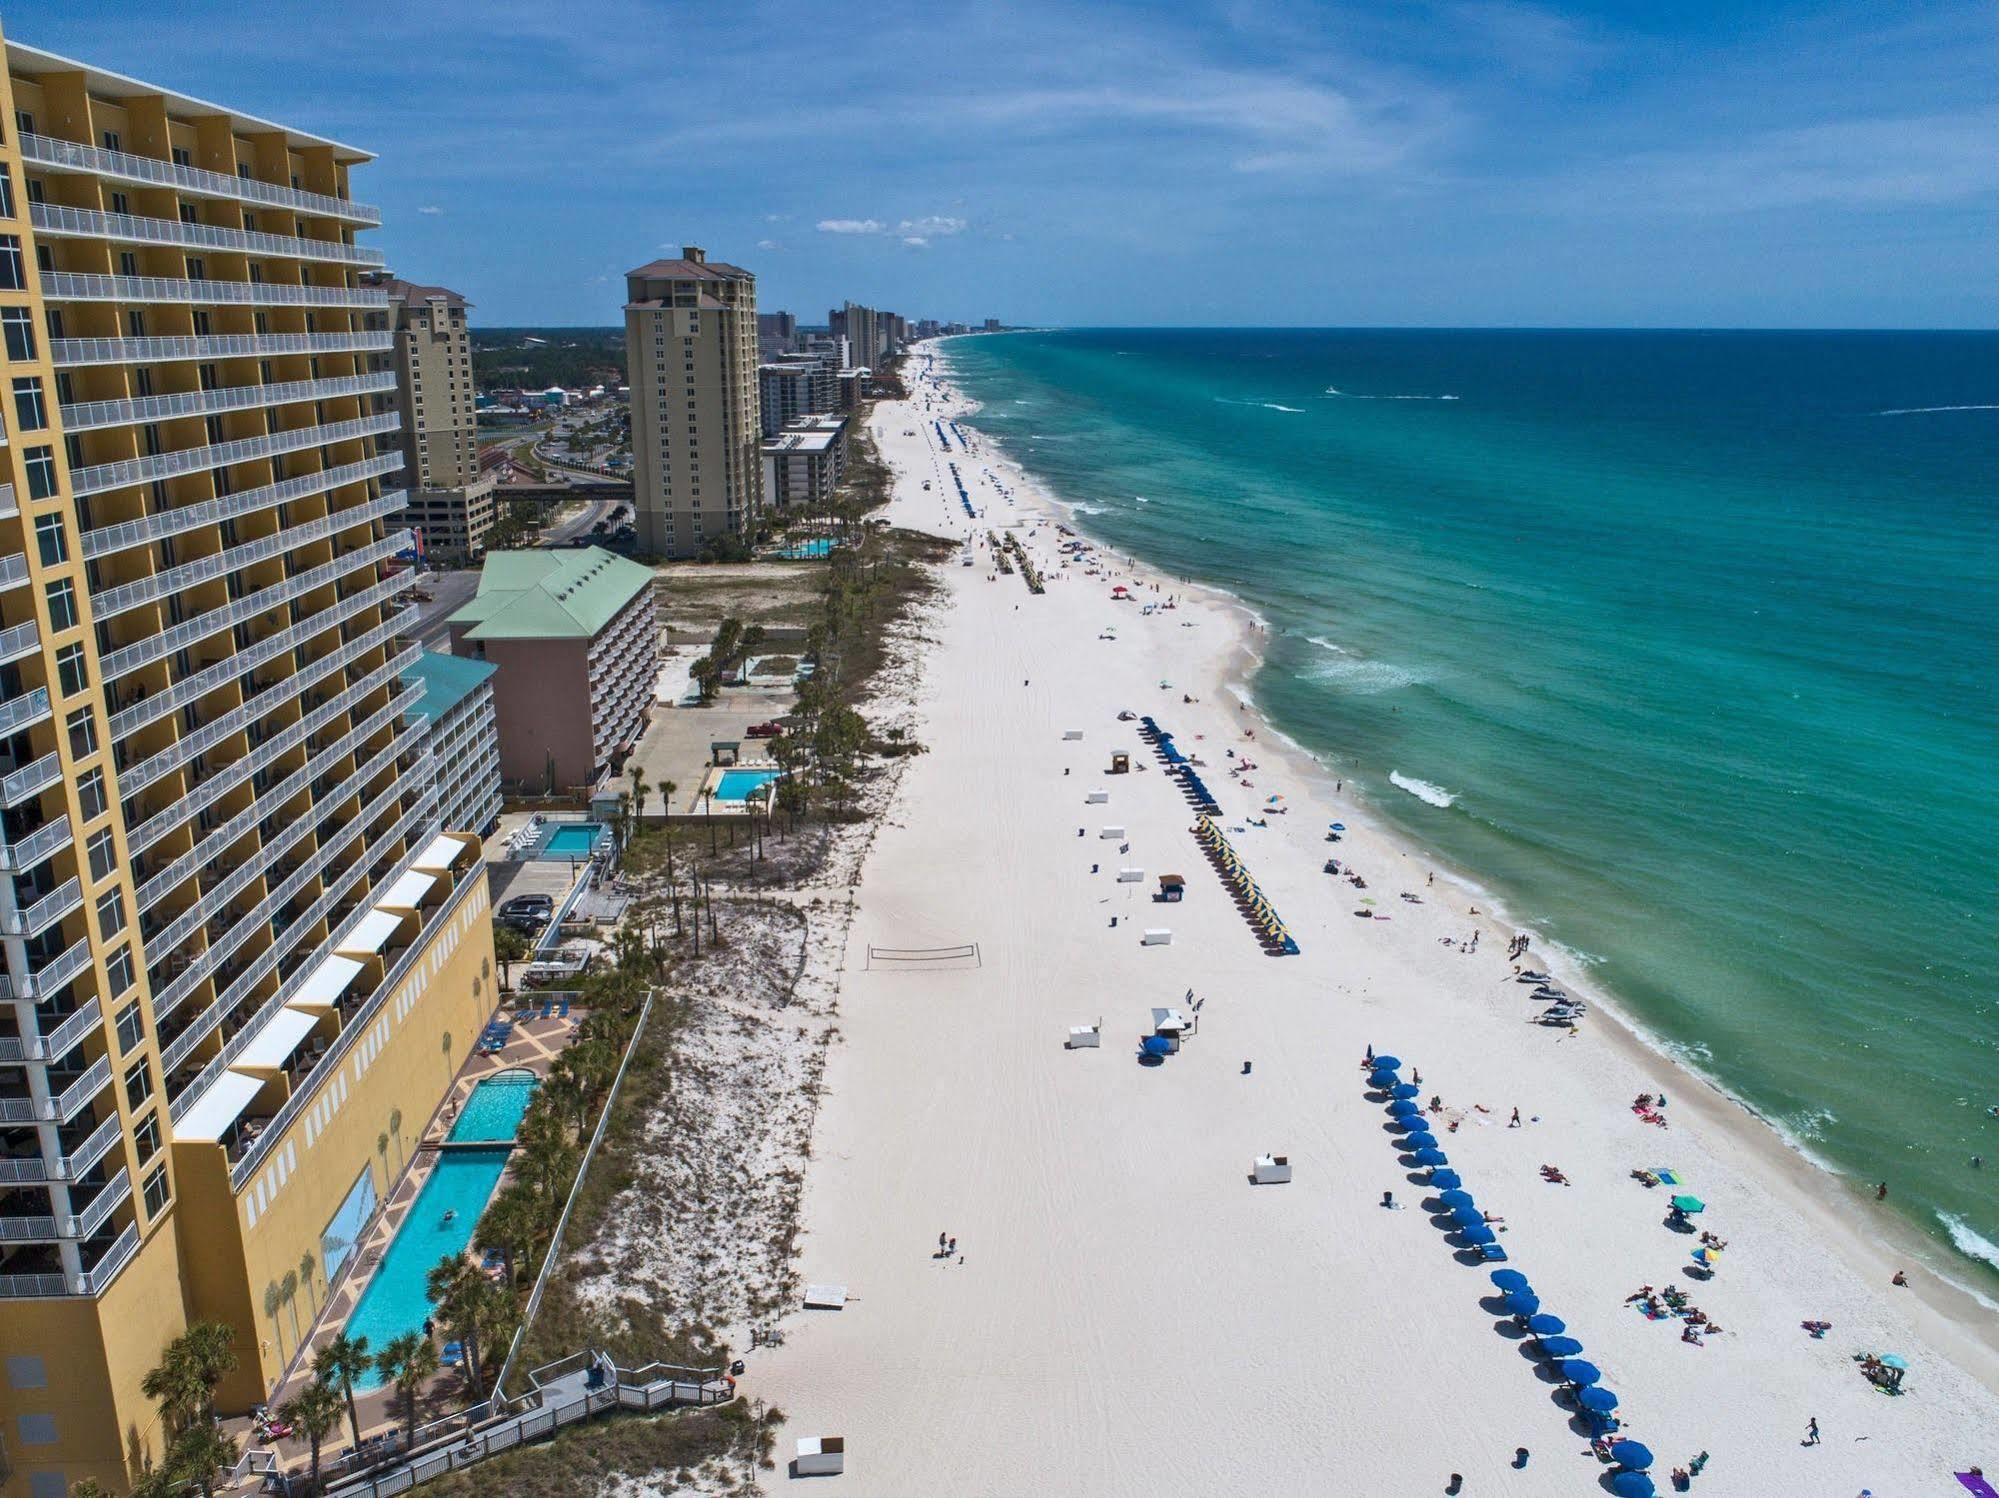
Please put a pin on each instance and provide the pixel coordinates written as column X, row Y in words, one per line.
column 1683, row 644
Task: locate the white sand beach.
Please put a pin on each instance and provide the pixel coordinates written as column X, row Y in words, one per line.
column 1126, row 1313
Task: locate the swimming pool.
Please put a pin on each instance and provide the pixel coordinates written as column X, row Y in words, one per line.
column 806, row 550
column 572, row 840
column 493, row 1112
column 440, row 1223
column 740, row 785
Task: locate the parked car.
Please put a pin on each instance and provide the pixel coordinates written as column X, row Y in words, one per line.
column 527, row 913
column 768, row 730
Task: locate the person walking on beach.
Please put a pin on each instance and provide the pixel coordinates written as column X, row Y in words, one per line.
column 1812, row 1431
column 1514, row 1122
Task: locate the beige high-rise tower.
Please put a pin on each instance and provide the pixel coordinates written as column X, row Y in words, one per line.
column 234, row 943
column 691, row 352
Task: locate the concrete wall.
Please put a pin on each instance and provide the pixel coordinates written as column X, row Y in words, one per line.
column 541, row 698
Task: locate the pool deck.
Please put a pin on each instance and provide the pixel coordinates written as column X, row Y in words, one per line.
column 535, row 1045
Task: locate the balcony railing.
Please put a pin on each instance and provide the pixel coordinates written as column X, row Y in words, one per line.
column 45, row 150
column 8, row 506
column 29, row 780
column 45, row 912
column 149, row 709
column 128, row 228
column 19, row 640
column 95, row 1148
column 71, row 352
column 81, row 286
column 17, row 713
column 242, row 450
column 51, row 837
column 158, row 646
column 94, row 1279
column 85, row 416
column 131, row 595
column 13, row 570
column 117, row 1191
column 123, row 534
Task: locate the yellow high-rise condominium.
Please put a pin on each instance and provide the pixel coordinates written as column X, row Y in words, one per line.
column 237, row 943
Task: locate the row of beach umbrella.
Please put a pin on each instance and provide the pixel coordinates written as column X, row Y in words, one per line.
column 1550, row 1333
column 1256, row 907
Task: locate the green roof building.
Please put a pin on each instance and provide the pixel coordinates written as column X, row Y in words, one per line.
column 574, row 636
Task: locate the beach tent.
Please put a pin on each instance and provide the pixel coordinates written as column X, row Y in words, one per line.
column 1632, row 1485
column 1545, row 1325
column 1633, row 1454
column 1170, row 1022
column 1420, row 1139
column 1509, row 1280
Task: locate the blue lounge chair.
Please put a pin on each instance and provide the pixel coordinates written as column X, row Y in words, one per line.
column 1492, row 1253
column 562, row 1009
column 547, row 1008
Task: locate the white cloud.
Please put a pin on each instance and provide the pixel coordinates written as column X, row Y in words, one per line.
column 769, row 244
column 851, row 226
column 430, row 208
column 916, row 241
column 931, row 225
column 776, row 218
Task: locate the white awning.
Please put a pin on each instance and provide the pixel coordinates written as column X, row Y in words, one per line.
column 407, row 892
column 370, row 934
column 221, row 1103
column 273, row 1045
column 325, row 984
column 443, row 852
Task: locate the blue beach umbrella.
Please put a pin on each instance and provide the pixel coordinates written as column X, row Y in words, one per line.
column 1633, row 1454
column 1412, row 1123
column 1407, row 1089
column 1597, row 1401
column 1381, row 1081
column 1402, row 1108
column 1387, row 1063
column 1632, row 1485
column 1430, row 1157
column 1509, row 1280
column 1419, row 1139
column 1577, row 1371
column 1479, row 1235
column 1560, row 1347
column 1448, row 1180
column 1545, row 1325
column 1466, row 1217
column 1524, row 1303
column 1456, row 1198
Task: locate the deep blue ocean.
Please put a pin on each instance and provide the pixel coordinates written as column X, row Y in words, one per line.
column 1682, row 644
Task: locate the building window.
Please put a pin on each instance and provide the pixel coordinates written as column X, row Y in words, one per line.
column 138, row 1084
column 74, row 676
column 6, row 191
column 19, row 324
column 131, row 1028
column 103, row 854
column 13, row 269
column 51, row 539
column 110, row 914
column 118, row 968
column 157, row 1192
column 120, row 203
column 90, row 794
column 31, row 412
column 82, row 734
column 62, row 605
column 110, row 138
column 146, row 1137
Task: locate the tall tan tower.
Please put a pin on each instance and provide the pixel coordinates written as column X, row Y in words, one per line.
column 233, row 940
column 691, row 353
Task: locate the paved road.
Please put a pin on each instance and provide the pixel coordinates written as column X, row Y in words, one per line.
column 579, row 524
column 449, row 592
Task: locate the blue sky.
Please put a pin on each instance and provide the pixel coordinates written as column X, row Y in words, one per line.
column 1422, row 162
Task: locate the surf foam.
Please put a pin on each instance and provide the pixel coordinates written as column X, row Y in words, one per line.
column 1422, row 790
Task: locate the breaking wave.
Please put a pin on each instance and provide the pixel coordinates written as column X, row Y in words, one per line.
column 1422, row 790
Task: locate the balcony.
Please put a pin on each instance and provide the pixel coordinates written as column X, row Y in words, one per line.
column 18, row 785
column 122, row 535
column 13, row 570
column 17, row 713
column 77, row 286
column 118, row 600
column 19, row 640
column 125, row 228
column 58, row 1042
column 265, row 600
column 244, row 450
column 85, row 416
column 43, row 150
column 49, row 838
column 9, row 507
column 83, row 1090
column 69, row 353
column 45, row 912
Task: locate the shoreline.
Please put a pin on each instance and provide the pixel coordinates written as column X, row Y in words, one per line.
column 1126, row 1314
column 1885, row 1238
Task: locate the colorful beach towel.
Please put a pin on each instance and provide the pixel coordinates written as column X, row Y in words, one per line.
column 1668, row 1177
column 1977, row 1486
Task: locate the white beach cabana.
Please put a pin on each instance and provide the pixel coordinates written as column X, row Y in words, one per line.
column 1096, row 798
column 1170, row 1022
column 1157, row 936
column 1271, row 1170
column 820, row 1456
column 272, row 1047
column 221, row 1103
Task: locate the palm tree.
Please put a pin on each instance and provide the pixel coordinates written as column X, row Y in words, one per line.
column 308, row 1265
column 510, row 947
column 408, row 1362
column 274, row 1302
column 189, row 1371
column 338, row 1364
column 544, row 1145
column 198, row 1453
column 459, row 1291
column 288, row 1288
column 511, row 1224
column 396, row 1133
column 314, row 1411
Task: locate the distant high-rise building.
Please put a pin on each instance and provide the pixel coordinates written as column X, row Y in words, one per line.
column 833, row 347
column 451, row 507
column 777, row 333
column 992, row 325
column 691, row 349
column 241, row 956
column 861, row 327
column 788, row 391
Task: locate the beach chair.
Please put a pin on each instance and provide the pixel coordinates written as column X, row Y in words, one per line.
column 562, row 1009
column 547, row 1008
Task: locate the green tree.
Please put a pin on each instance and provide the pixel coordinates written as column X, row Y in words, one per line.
column 190, row 1370
column 313, row 1412
column 338, row 1364
column 544, row 1146
column 509, row 947
column 460, row 1293
column 512, row 1225
column 198, row 1453
column 407, row 1363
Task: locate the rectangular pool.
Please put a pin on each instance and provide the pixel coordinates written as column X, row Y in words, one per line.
column 492, row 1114
column 740, row 785
column 572, row 840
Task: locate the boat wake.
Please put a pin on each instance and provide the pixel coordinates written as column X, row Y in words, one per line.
column 1931, row 410
column 1333, row 392
column 1422, row 790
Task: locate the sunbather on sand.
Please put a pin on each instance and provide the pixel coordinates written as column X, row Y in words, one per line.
column 1552, row 1174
